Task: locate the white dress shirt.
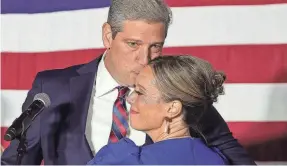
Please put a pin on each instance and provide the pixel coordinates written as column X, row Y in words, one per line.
column 99, row 120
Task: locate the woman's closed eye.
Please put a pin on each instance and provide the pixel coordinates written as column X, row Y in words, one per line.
column 138, row 93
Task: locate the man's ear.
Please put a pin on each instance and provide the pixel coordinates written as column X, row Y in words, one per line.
column 175, row 109
column 107, row 35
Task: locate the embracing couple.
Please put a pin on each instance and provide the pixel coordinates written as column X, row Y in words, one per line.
column 131, row 105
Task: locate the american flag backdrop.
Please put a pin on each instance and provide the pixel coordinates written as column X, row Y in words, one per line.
column 245, row 38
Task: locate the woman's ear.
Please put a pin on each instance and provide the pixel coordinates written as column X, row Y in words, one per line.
column 175, row 109
column 107, row 35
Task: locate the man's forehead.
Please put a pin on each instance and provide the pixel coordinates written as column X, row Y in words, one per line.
column 141, row 24
column 142, row 31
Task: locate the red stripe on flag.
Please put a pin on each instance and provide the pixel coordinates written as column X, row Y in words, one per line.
column 241, row 63
column 264, row 141
column 184, row 3
column 258, row 132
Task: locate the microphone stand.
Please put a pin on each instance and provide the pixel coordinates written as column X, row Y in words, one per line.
column 21, row 147
column 22, row 138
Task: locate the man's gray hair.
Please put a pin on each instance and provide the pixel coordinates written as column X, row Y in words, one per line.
column 146, row 10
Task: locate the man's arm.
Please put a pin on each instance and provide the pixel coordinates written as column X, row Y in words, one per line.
column 34, row 153
column 217, row 134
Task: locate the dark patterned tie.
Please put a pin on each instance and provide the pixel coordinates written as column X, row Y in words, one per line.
column 120, row 124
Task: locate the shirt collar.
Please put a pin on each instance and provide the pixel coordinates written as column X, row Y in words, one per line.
column 105, row 83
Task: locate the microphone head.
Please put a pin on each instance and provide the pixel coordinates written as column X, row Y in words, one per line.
column 10, row 134
column 44, row 98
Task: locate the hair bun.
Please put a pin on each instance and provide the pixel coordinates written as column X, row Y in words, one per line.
column 217, row 81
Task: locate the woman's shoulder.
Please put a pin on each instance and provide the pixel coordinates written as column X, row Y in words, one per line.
column 183, row 151
column 202, row 151
column 117, row 153
column 125, row 144
column 170, row 152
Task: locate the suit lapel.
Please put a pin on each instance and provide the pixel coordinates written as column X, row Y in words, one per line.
column 81, row 87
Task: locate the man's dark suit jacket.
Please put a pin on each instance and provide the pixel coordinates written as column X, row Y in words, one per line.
column 57, row 135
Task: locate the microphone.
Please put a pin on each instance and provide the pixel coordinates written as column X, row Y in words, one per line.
column 23, row 122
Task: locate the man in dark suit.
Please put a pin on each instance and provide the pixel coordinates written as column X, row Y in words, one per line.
column 85, row 112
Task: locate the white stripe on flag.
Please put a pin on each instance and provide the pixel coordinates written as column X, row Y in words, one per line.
column 192, row 26
column 254, row 102
column 11, row 105
column 242, row 102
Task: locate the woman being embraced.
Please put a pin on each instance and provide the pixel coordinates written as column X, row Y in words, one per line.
column 171, row 94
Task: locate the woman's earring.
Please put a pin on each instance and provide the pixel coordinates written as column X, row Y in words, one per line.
column 166, row 129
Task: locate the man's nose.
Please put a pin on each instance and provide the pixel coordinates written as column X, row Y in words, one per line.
column 143, row 57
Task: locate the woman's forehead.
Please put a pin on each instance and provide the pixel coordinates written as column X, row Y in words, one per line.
column 146, row 78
